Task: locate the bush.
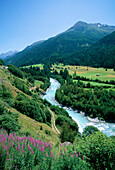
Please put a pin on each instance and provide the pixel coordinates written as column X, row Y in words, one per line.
column 15, row 70
column 67, row 133
column 88, row 130
column 1, row 62
column 99, row 150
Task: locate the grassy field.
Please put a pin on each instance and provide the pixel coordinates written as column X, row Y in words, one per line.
column 38, row 83
column 112, row 87
column 35, row 65
column 33, row 128
column 88, row 72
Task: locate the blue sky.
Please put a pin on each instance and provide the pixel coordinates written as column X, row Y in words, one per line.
column 23, row 22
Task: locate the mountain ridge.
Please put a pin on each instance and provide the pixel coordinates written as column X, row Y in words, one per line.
column 77, row 38
column 8, row 54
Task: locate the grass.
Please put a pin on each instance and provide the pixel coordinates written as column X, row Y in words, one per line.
column 27, row 124
column 112, row 87
column 38, row 83
column 35, row 65
column 88, row 72
column 96, row 83
column 32, row 127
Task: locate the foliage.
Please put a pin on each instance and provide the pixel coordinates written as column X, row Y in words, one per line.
column 97, row 103
column 32, row 109
column 21, row 85
column 34, row 73
column 88, row 130
column 69, row 128
column 68, row 134
column 59, row 111
column 5, row 93
column 8, row 120
column 98, row 150
column 1, row 62
column 15, row 70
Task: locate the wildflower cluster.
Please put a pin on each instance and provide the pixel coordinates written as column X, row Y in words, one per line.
column 26, row 152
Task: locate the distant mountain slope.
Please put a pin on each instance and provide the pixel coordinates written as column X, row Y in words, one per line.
column 101, row 54
column 8, row 54
column 78, row 37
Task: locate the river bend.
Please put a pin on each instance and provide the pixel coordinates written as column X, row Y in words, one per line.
column 106, row 128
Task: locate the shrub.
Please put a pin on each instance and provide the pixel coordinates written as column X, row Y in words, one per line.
column 1, row 62
column 88, row 130
column 99, row 150
column 15, row 70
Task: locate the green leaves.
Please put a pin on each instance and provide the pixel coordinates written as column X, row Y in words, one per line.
column 8, row 120
column 96, row 103
column 99, row 150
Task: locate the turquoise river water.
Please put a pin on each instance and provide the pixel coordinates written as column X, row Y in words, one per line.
column 82, row 121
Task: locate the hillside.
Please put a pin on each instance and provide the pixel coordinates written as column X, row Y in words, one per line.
column 29, row 139
column 80, row 36
column 101, row 54
column 22, row 110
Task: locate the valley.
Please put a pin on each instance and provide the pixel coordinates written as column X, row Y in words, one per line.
column 57, row 101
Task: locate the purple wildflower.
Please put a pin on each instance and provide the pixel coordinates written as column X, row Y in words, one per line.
column 33, row 144
column 83, row 158
column 75, row 152
column 42, row 149
column 46, row 154
column 72, row 156
column 51, row 154
column 50, row 145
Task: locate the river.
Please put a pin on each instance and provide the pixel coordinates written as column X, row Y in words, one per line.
column 106, row 128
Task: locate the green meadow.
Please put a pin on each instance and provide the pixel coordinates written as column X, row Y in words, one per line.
column 88, row 72
column 35, row 65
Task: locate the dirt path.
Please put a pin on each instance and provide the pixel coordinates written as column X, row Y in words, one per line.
column 53, row 122
column 32, row 88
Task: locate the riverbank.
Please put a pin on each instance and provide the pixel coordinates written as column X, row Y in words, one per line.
column 78, row 116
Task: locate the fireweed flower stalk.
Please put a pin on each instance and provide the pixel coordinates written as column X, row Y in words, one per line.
column 23, row 151
column 29, row 153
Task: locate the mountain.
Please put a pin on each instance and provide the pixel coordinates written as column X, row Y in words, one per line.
column 78, row 37
column 8, row 54
column 101, row 54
